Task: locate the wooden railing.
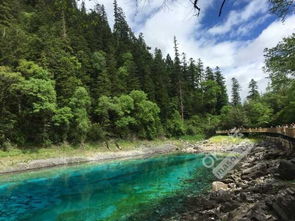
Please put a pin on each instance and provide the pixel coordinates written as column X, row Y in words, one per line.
column 288, row 132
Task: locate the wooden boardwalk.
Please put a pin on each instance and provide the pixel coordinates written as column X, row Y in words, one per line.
column 287, row 132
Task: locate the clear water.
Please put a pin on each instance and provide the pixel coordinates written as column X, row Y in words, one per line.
column 108, row 191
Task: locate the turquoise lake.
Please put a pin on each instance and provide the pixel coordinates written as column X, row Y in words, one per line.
column 116, row 190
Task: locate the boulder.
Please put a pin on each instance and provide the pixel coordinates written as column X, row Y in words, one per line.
column 286, row 169
column 217, row 185
column 284, row 204
column 229, row 206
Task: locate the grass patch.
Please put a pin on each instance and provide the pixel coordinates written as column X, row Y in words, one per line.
column 231, row 139
column 198, row 137
column 14, row 156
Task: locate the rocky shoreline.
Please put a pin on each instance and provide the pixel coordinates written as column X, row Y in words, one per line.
column 261, row 187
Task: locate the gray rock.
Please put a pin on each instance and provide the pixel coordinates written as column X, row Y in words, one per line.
column 217, row 185
column 286, row 169
column 284, row 204
column 229, row 206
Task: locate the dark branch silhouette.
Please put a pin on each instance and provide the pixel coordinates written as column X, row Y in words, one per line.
column 220, row 10
column 197, row 7
column 279, row 7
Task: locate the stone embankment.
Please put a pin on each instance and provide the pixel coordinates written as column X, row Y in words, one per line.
column 261, row 187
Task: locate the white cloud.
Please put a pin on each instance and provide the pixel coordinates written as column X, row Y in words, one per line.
column 249, row 59
column 237, row 17
column 245, row 30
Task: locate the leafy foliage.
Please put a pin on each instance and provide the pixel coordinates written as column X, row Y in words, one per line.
column 279, row 63
column 65, row 76
column 79, row 104
column 281, row 8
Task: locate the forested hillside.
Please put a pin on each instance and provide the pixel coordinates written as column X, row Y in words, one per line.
column 65, row 75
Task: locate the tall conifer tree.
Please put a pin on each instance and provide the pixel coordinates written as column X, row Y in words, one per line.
column 236, row 98
column 253, row 90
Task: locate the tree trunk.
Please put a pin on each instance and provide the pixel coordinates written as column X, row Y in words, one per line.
column 4, row 32
column 117, row 145
column 107, row 144
column 181, row 101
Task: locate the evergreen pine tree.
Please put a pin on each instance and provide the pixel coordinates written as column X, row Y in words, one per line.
column 253, row 92
column 192, row 69
column 222, row 98
column 209, row 75
column 199, row 73
column 177, row 79
column 236, row 99
column 161, row 81
column 6, row 12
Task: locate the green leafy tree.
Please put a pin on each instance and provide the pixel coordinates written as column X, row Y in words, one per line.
column 175, row 125
column 37, row 100
column 195, row 125
column 280, row 66
column 124, row 121
column 62, row 121
column 286, row 115
column 259, row 114
column 279, row 63
column 80, row 125
column 232, row 116
column 129, row 114
column 146, row 114
column 104, row 111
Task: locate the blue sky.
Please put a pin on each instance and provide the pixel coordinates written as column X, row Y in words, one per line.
column 234, row 42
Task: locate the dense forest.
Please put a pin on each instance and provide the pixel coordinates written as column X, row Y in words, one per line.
column 67, row 76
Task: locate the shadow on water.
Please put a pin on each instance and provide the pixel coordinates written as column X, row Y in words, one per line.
column 199, row 184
